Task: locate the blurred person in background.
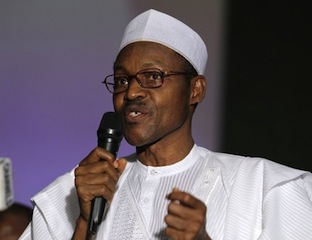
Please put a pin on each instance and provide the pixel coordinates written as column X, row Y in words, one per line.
column 14, row 220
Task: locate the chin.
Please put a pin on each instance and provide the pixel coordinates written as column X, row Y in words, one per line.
column 135, row 137
column 135, row 141
column 138, row 141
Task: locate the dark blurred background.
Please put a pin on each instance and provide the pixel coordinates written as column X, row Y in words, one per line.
column 267, row 103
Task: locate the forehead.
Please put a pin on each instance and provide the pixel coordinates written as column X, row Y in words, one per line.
column 140, row 55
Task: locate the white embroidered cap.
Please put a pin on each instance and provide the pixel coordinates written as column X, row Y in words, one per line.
column 155, row 26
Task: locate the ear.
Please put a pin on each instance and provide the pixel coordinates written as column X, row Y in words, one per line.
column 198, row 89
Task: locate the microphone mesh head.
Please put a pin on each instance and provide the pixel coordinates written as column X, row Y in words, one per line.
column 111, row 120
column 110, row 132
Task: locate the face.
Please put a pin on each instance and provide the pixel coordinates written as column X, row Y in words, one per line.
column 12, row 227
column 158, row 114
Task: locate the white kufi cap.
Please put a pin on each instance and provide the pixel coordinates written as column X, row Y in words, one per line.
column 154, row 26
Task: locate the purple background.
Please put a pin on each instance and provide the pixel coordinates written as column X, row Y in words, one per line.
column 53, row 57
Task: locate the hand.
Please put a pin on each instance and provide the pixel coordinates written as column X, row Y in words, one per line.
column 97, row 176
column 186, row 218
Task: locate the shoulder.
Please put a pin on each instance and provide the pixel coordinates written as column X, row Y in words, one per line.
column 63, row 184
column 60, row 194
column 241, row 169
column 56, row 208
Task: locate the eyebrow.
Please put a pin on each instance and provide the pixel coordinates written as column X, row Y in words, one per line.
column 155, row 64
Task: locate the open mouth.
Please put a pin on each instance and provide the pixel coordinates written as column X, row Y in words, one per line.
column 134, row 114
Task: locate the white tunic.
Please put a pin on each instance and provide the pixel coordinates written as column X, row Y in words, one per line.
column 246, row 198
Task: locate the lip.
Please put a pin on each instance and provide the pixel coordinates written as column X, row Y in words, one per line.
column 135, row 113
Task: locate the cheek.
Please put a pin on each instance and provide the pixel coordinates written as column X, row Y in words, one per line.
column 177, row 103
column 118, row 102
column 175, row 110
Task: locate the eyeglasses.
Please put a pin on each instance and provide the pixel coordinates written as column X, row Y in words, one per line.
column 147, row 78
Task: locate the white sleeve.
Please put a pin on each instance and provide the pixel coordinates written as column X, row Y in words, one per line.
column 40, row 231
column 287, row 211
column 26, row 234
column 56, row 210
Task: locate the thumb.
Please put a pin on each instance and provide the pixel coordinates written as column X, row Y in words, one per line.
column 120, row 164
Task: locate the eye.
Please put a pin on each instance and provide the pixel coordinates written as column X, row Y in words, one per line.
column 152, row 75
column 120, row 81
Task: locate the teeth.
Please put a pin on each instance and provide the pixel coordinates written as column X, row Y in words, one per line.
column 134, row 114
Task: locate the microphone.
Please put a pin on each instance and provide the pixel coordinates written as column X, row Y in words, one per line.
column 109, row 136
column 6, row 183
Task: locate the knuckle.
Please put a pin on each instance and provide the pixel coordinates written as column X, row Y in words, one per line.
column 105, row 165
column 97, row 150
column 167, row 218
column 77, row 181
column 187, row 197
column 77, row 171
column 103, row 190
column 80, row 191
column 203, row 208
column 106, row 178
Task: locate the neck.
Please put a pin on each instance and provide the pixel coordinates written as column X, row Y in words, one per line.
column 163, row 153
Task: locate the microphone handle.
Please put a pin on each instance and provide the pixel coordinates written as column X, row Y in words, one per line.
column 98, row 203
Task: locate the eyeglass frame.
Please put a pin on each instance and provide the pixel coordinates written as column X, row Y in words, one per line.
column 163, row 75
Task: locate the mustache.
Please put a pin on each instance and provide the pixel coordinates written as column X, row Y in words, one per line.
column 134, row 103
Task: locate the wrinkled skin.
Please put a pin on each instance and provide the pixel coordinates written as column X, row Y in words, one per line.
column 158, row 123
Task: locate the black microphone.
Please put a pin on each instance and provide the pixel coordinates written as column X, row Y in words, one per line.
column 109, row 136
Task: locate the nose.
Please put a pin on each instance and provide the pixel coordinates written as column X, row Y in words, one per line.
column 134, row 89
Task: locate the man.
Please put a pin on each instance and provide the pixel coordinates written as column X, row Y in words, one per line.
column 170, row 188
column 14, row 220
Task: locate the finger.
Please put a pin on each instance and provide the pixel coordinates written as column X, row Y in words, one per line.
column 183, row 212
column 187, row 213
column 186, row 207
column 185, row 199
column 184, row 222
column 175, row 222
column 174, row 233
column 101, row 167
column 182, row 218
column 120, row 164
column 96, row 155
column 96, row 179
column 88, row 193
